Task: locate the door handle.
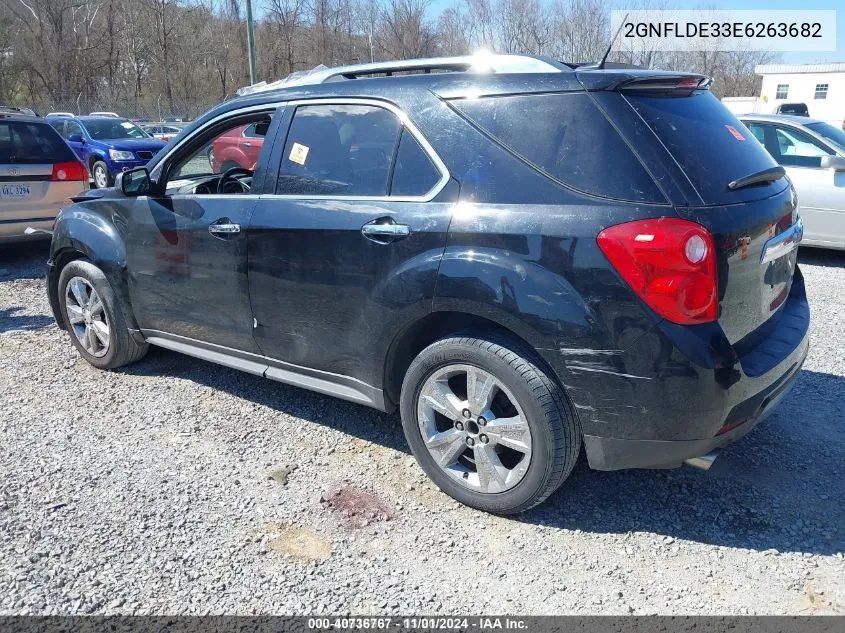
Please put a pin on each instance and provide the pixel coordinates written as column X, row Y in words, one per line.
column 224, row 227
column 384, row 231
column 247, row 144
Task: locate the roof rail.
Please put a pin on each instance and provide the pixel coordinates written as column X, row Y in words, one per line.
column 480, row 62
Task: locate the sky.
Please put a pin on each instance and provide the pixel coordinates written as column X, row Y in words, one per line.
column 787, row 58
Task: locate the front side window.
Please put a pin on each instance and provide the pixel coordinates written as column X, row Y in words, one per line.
column 821, row 91
column 789, row 146
column 225, row 149
column 782, row 91
column 72, row 127
column 339, row 149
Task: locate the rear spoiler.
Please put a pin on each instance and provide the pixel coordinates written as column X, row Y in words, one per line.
column 648, row 81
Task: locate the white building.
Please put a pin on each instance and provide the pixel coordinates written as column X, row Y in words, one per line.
column 820, row 86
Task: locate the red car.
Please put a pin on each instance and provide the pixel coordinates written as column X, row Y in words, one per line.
column 239, row 147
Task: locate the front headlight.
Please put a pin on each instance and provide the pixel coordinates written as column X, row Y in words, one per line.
column 118, row 154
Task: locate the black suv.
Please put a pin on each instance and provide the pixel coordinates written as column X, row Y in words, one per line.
column 522, row 260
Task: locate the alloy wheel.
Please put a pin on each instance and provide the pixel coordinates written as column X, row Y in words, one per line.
column 101, row 177
column 474, row 428
column 86, row 315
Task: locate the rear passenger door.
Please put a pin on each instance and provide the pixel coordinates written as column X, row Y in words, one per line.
column 348, row 246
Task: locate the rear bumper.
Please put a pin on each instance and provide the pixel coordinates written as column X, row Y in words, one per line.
column 607, row 453
column 679, row 392
column 13, row 230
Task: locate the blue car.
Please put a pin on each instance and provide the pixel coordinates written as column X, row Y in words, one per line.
column 107, row 145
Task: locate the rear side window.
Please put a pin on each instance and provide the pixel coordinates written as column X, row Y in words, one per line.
column 706, row 140
column 414, row 174
column 32, row 143
column 567, row 138
column 339, row 149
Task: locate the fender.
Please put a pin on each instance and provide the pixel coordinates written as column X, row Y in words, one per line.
column 506, row 287
column 94, row 229
column 234, row 154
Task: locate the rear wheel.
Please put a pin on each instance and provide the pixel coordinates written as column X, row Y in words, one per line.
column 100, row 174
column 95, row 318
column 487, row 423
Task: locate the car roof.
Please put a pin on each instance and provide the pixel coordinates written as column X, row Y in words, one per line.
column 780, row 118
column 19, row 116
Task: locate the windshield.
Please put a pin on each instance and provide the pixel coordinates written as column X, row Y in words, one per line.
column 833, row 134
column 102, row 129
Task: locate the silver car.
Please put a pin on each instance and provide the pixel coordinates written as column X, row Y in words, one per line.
column 813, row 154
column 38, row 174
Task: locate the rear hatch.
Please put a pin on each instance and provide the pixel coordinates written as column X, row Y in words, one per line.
column 31, row 185
column 722, row 178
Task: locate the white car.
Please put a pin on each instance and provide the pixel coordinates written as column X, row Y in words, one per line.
column 813, row 154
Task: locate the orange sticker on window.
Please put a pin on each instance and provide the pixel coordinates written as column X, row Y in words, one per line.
column 735, row 132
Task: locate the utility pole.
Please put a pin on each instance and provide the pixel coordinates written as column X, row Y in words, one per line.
column 250, row 43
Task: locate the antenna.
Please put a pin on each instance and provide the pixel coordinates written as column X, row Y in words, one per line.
column 612, row 42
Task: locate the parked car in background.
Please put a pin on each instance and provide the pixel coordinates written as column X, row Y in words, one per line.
column 107, row 145
column 238, row 147
column 813, row 154
column 38, row 174
column 113, row 115
column 161, row 131
column 175, row 119
column 14, row 109
column 502, row 268
column 796, row 109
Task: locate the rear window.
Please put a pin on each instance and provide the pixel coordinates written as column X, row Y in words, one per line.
column 567, row 138
column 32, row 143
column 707, row 141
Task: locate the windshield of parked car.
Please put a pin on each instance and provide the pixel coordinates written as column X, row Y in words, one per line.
column 110, row 129
column 830, row 132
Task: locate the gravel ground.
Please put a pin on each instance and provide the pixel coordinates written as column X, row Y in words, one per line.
column 177, row 486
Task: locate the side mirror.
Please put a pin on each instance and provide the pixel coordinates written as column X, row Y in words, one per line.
column 133, row 182
column 76, row 138
column 836, row 163
column 261, row 128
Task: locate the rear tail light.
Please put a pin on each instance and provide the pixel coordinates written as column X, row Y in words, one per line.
column 670, row 263
column 70, row 171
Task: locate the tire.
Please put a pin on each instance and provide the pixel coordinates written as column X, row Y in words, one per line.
column 541, row 405
column 100, row 175
column 120, row 348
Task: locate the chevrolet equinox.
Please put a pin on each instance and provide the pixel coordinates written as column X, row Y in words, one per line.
column 523, row 256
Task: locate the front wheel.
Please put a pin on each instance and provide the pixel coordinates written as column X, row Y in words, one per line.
column 100, row 174
column 94, row 317
column 487, row 423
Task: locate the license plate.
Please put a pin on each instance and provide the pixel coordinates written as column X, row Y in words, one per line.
column 15, row 192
